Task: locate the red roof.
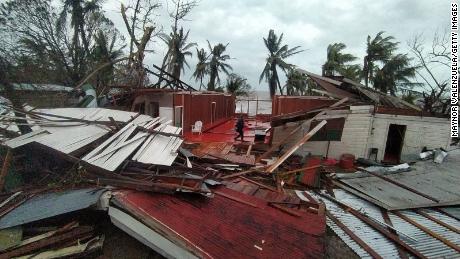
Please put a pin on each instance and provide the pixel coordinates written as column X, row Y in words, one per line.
column 220, row 227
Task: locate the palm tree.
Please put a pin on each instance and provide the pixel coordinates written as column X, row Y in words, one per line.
column 201, row 67
column 395, row 72
column 276, row 56
column 378, row 49
column 104, row 52
column 178, row 50
column 217, row 64
column 237, row 85
column 336, row 60
column 353, row 72
column 296, row 83
column 78, row 9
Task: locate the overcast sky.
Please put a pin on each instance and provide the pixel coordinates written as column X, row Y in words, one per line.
column 311, row 24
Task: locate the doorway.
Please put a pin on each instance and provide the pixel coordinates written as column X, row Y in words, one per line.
column 395, row 141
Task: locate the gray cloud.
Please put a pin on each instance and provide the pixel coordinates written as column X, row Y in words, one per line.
column 312, row 24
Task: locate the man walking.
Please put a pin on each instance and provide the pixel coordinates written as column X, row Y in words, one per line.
column 239, row 127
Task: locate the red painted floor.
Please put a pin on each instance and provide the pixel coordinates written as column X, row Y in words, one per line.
column 225, row 132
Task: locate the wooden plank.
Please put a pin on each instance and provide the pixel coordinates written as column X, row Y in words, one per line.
column 428, row 231
column 321, row 113
column 353, row 236
column 239, row 174
column 298, row 170
column 295, row 147
column 249, row 150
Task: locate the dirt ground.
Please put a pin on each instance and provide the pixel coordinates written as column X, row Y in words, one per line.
column 336, row 248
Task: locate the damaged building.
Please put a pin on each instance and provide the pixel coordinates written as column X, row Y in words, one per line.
column 369, row 124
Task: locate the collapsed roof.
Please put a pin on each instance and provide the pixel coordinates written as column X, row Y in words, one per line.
column 356, row 92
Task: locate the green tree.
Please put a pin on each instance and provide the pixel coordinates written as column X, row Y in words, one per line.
column 201, row 68
column 79, row 11
column 337, row 61
column 217, row 64
column 178, row 50
column 237, row 85
column 105, row 51
column 39, row 38
column 395, row 72
column 378, row 49
column 296, row 83
column 353, row 72
column 277, row 54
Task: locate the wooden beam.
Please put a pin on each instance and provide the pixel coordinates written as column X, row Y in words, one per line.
column 298, row 170
column 428, row 231
column 353, row 236
column 239, row 174
column 295, row 147
column 249, row 150
column 321, row 113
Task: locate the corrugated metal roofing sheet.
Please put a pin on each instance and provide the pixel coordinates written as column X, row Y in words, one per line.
column 154, row 148
column 440, row 181
column 220, row 227
column 51, row 204
column 68, row 136
column 424, row 243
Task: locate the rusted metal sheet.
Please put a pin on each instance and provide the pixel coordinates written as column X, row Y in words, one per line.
column 289, row 104
column 220, row 227
column 198, row 106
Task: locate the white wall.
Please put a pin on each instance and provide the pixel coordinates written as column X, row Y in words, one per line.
column 363, row 131
column 165, row 101
column 420, row 132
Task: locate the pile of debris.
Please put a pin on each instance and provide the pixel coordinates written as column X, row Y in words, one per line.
column 182, row 200
column 196, row 200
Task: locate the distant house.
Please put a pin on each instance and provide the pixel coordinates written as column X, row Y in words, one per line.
column 370, row 124
column 43, row 95
column 184, row 108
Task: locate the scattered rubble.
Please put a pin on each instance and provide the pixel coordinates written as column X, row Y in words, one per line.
column 193, row 197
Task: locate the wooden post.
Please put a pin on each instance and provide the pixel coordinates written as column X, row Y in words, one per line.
column 5, row 167
column 257, row 107
column 248, row 107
